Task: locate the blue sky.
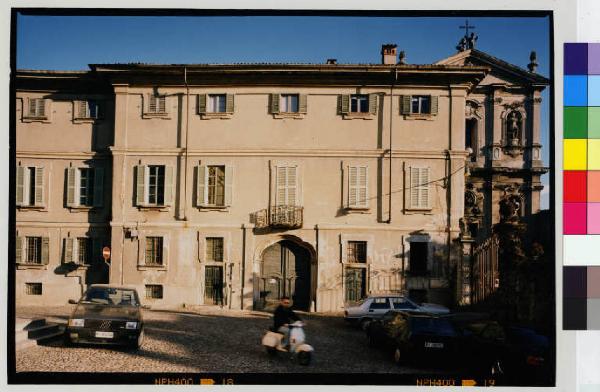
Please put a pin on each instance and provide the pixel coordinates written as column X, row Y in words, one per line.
column 73, row 42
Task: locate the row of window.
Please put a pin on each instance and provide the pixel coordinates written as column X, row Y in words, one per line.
column 85, row 187
column 156, row 105
column 214, row 186
column 152, row 291
column 34, row 250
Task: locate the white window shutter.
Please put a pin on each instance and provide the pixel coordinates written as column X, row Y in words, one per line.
column 19, row 254
column 168, row 189
column 281, row 182
column 202, row 99
column 98, row 187
column 229, row 103
column 32, row 105
column 45, row 250
column 69, row 250
column 352, row 186
column 362, row 185
column 140, row 185
column 43, row 109
column 21, row 186
column 72, row 200
column 424, row 188
column 292, row 186
column 414, row 187
column 228, row 185
column 39, row 186
column 201, row 188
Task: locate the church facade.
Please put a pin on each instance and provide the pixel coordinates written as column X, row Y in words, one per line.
column 237, row 184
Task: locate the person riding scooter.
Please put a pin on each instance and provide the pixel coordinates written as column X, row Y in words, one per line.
column 283, row 316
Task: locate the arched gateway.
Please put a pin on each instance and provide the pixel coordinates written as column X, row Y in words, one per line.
column 285, row 270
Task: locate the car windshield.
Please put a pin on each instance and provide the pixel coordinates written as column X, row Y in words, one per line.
column 432, row 326
column 111, row 296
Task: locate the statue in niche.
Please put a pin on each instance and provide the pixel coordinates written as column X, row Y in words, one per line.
column 513, row 128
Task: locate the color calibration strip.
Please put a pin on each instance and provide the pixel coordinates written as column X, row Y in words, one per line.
column 581, row 158
column 581, row 298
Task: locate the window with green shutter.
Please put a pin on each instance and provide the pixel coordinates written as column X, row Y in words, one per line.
column 85, row 187
column 419, row 104
column 214, row 185
column 89, row 109
column 154, row 251
column 214, row 249
column 154, row 185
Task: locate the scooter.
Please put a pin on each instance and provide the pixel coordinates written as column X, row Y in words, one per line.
column 296, row 346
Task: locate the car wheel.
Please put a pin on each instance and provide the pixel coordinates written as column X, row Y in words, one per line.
column 304, row 358
column 364, row 324
column 398, row 356
column 67, row 340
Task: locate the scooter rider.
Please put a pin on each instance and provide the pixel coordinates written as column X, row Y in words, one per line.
column 284, row 315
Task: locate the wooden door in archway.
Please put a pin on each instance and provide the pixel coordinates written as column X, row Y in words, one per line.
column 285, row 272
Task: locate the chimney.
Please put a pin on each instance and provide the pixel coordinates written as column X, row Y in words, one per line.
column 388, row 54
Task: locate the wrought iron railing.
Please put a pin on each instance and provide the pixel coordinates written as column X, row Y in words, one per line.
column 484, row 275
column 285, row 216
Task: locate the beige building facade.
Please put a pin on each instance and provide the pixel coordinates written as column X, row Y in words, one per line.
column 235, row 185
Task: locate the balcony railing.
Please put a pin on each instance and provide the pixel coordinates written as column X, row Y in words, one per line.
column 280, row 216
column 285, row 216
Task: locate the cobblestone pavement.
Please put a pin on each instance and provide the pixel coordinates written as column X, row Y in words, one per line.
column 209, row 339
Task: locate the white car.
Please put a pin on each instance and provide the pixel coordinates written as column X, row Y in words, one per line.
column 375, row 307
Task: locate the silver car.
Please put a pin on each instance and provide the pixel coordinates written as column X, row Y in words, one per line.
column 375, row 307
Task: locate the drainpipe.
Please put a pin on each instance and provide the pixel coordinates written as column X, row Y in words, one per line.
column 389, row 221
column 243, row 274
column 449, row 181
column 187, row 122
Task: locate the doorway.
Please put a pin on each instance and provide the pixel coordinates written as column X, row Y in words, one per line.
column 285, row 271
column 213, row 285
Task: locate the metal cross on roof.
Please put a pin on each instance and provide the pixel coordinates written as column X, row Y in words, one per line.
column 466, row 27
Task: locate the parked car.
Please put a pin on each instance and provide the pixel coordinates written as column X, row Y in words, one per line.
column 106, row 315
column 413, row 337
column 374, row 307
column 511, row 352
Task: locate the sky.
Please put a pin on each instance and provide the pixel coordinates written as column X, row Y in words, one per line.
column 73, row 42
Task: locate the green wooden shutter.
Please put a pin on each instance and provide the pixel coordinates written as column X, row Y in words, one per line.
column 39, row 186
column 229, row 103
column 302, row 103
column 274, row 107
column 19, row 249
column 434, row 104
column 202, row 98
column 71, row 187
column 20, row 185
column 45, row 250
column 345, row 104
column 228, row 185
column 201, row 188
column 373, row 103
column 405, row 101
column 140, row 188
column 99, row 187
column 82, row 109
column 69, row 250
column 168, row 196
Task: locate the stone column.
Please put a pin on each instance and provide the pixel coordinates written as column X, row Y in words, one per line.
column 536, row 147
column 496, row 148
